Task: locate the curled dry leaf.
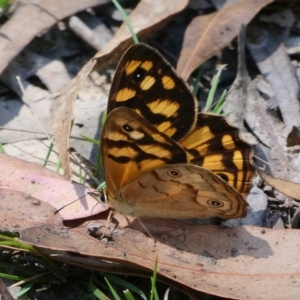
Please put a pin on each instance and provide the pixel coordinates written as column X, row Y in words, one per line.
column 62, row 109
column 274, row 63
column 208, row 34
column 239, row 263
column 245, row 102
column 147, row 17
column 241, row 89
column 288, row 188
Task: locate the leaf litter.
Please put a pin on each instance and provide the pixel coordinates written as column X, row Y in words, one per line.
column 239, row 262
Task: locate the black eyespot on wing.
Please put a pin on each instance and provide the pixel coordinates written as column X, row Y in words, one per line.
column 139, row 75
column 174, row 173
column 215, row 203
column 127, row 128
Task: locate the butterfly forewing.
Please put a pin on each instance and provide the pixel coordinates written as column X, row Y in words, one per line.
column 131, row 146
column 147, row 83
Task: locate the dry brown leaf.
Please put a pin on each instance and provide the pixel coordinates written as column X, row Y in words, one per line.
column 21, row 210
column 9, row 162
column 22, row 178
column 293, row 138
column 45, row 13
column 147, row 17
column 241, row 263
column 62, row 109
column 208, row 34
column 245, row 102
column 288, row 188
column 5, row 294
column 241, row 89
column 277, row 68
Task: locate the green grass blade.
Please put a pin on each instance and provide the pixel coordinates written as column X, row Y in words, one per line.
column 24, row 290
column 97, row 293
column 90, row 140
column 1, row 148
column 4, row 3
column 196, row 86
column 112, row 290
column 126, row 284
column 154, row 293
column 220, row 103
column 48, row 154
column 212, row 91
column 101, row 186
column 128, row 295
column 11, row 277
column 126, row 20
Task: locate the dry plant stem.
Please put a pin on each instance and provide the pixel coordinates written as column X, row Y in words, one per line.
column 28, row 279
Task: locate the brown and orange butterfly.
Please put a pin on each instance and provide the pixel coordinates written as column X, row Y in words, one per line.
column 161, row 157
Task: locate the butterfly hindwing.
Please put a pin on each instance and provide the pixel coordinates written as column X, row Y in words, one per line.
column 216, row 145
column 180, row 191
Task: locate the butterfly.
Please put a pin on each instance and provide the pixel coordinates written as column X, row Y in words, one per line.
column 161, row 157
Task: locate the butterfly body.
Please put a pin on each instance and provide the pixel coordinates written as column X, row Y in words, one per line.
column 162, row 158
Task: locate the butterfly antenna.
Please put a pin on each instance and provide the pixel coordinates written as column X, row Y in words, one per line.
column 88, row 193
column 58, row 210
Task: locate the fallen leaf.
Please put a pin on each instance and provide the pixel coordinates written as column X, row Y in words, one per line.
column 244, row 102
column 288, row 188
column 208, row 34
column 45, row 13
column 20, row 211
column 241, row 89
column 242, row 262
column 22, row 177
column 5, row 294
column 147, row 17
column 61, row 112
column 239, row 262
column 276, row 66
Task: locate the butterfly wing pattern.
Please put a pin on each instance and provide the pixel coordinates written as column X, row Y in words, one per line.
column 148, row 84
column 144, row 177
column 161, row 157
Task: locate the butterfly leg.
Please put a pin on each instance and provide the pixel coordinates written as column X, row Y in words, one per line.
column 110, row 218
column 145, row 228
